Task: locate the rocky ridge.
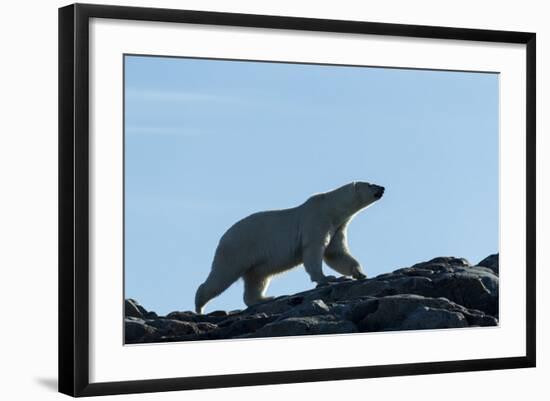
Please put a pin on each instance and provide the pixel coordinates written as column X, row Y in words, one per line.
column 445, row 292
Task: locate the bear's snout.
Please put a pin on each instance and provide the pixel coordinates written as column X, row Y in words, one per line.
column 379, row 192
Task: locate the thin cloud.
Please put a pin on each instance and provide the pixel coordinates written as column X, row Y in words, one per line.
column 150, row 206
column 159, row 130
column 148, row 95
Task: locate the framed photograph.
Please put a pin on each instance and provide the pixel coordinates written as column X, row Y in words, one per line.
column 295, row 199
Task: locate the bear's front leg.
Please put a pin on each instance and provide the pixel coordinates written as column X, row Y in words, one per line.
column 344, row 264
column 313, row 263
column 337, row 256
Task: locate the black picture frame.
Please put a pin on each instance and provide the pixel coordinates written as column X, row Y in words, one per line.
column 74, row 198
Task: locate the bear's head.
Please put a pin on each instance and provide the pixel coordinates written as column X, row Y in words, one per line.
column 350, row 198
column 366, row 193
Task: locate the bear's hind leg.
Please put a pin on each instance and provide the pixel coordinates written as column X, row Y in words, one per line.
column 255, row 285
column 217, row 282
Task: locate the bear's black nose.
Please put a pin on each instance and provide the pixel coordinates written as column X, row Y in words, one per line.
column 379, row 193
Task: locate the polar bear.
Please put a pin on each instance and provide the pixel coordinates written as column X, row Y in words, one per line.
column 268, row 243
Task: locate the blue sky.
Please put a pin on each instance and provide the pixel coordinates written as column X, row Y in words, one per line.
column 208, row 142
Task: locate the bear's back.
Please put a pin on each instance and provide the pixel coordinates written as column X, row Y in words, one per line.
column 261, row 234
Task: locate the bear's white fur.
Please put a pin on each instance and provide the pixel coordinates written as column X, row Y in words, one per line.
column 268, row 243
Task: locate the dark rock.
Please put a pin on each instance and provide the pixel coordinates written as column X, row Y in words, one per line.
column 174, row 327
column 246, row 324
column 341, row 309
column 188, row 316
column 136, row 330
column 424, row 317
column 361, row 309
column 490, row 262
column 398, row 312
column 306, row 325
column 133, row 309
column 445, row 292
column 337, row 280
column 412, row 284
column 489, row 279
column 453, row 278
column 366, row 288
column 410, row 271
column 443, row 261
column 478, row 318
column 217, row 313
column 278, row 305
column 309, row 308
column 336, row 291
column 469, row 290
column 204, row 327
